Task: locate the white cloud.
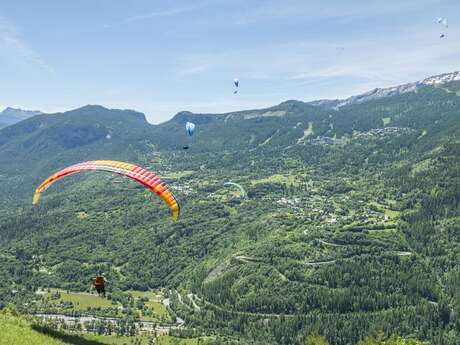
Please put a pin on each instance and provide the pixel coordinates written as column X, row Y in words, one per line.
column 15, row 50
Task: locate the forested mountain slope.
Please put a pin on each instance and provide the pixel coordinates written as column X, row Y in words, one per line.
column 350, row 225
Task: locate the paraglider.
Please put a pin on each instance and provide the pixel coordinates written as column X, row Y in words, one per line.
column 140, row 175
column 240, row 187
column 236, row 81
column 443, row 22
column 99, row 283
column 190, row 129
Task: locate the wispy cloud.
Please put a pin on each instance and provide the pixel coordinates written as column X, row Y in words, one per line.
column 317, row 10
column 163, row 13
column 192, row 70
column 16, row 50
column 155, row 14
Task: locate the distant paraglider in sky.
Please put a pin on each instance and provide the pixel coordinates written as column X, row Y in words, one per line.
column 236, row 82
column 134, row 172
column 240, row 187
column 444, row 23
column 190, row 129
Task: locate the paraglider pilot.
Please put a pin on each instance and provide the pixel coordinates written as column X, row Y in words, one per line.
column 99, row 284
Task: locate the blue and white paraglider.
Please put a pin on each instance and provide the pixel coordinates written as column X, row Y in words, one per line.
column 190, row 128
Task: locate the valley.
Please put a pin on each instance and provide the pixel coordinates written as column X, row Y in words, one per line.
column 349, row 227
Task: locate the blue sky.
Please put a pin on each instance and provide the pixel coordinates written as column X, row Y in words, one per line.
column 161, row 57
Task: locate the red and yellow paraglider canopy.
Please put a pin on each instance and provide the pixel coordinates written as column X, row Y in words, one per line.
column 141, row 175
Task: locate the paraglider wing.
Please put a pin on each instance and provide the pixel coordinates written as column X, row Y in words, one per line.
column 141, row 175
column 190, row 128
column 243, row 192
column 443, row 22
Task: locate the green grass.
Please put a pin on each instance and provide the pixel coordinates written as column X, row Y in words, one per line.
column 81, row 300
column 151, row 295
column 168, row 340
column 277, row 178
column 231, row 210
column 390, row 213
column 154, row 303
column 422, row 166
column 158, row 308
column 178, row 174
column 115, row 340
column 15, row 330
column 386, row 120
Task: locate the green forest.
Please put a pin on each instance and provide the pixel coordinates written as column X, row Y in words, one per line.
column 349, row 232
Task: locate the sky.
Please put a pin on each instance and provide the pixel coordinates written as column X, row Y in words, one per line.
column 162, row 57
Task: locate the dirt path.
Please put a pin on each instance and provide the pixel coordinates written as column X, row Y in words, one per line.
column 246, row 259
column 404, row 253
column 331, row 244
column 191, row 297
column 248, row 313
column 318, row 263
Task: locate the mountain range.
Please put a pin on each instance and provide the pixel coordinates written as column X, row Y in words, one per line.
column 350, row 225
column 9, row 116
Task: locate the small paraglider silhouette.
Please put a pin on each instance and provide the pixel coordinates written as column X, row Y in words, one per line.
column 444, row 23
column 236, row 81
column 240, row 187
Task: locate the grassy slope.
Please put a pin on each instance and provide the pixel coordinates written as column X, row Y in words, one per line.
column 17, row 331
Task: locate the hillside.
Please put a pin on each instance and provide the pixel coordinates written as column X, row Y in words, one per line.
column 17, row 331
column 350, row 225
column 9, row 116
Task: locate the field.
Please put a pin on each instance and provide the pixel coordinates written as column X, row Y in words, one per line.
column 61, row 301
column 154, row 303
column 80, row 300
column 167, row 340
